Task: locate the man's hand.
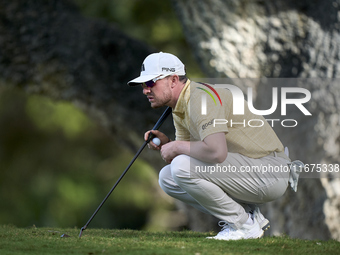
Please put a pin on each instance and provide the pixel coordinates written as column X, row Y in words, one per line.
column 212, row 149
column 172, row 149
column 164, row 139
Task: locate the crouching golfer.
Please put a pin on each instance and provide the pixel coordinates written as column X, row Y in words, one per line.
column 214, row 166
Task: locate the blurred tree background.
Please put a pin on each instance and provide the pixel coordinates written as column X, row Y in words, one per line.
column 57, row 164
column 151, row 21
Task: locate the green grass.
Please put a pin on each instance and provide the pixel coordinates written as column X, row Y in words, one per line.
column 103, row 241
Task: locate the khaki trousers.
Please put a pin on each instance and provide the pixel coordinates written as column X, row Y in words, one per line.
column 225, row 189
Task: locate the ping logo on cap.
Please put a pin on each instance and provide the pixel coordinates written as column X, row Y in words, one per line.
column 167, row 69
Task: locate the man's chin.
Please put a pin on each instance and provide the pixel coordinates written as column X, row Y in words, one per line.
column 158, row 104
column 155, row 106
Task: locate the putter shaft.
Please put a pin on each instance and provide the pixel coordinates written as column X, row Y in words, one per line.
column 157, row 125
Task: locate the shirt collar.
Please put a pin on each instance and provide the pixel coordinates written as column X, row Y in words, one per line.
column 183, row 99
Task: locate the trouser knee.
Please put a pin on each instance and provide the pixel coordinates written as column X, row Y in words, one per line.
column 165, row 179
column 180, row 168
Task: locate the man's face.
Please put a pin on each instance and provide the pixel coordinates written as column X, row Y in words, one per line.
column 160, row 94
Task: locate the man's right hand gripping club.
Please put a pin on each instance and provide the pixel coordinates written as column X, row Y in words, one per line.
column 164, row 140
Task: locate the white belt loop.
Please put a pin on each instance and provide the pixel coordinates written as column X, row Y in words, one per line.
column 287, row 151
column 275, row 155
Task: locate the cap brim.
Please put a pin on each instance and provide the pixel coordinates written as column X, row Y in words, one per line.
column 141, row 79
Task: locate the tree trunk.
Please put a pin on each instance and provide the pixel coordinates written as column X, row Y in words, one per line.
column 300, row 39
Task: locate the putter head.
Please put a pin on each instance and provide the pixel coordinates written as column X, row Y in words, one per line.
column 81, row 231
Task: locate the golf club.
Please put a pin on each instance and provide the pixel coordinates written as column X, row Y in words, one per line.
column 157, row 125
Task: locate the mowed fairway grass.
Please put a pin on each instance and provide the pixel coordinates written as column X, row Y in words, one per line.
column 105, row 241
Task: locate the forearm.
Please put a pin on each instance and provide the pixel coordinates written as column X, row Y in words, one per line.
column 212, row 149
column 199, row 150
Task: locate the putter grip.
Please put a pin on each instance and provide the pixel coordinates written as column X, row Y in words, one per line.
column 159, row 123
column 162, row 118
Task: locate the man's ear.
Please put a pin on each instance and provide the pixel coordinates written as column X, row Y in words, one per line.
column 174, row 80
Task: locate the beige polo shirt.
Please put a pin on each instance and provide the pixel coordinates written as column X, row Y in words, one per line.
column 248, row 134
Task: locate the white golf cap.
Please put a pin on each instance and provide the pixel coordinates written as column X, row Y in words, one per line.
column 158, row 65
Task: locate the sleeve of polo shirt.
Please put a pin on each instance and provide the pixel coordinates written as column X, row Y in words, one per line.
column 215, row 120
column 181, row 133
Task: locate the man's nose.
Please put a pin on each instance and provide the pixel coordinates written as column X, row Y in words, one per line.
column 146, row 90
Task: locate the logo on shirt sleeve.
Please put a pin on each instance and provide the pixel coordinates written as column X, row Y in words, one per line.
column 204, row 126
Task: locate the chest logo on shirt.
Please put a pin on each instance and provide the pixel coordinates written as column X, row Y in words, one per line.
column 209, row 93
